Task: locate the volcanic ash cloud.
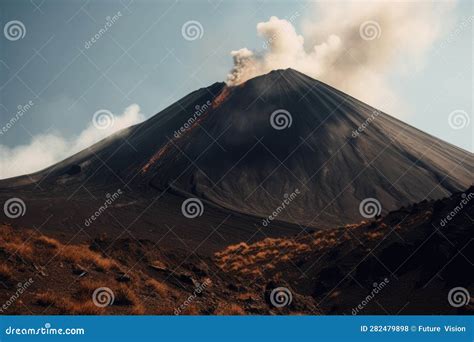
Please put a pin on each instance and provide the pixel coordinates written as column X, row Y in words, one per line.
column 351, row 47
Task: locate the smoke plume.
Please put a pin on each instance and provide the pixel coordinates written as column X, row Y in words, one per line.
column 353, row 46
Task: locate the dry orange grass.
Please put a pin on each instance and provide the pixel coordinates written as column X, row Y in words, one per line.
column 34, row 247
column 5, row 272
column 21, row 249
column 47, row 242
column 267, row 253
column 46, row 299
column 122, row 293
column 81, row 253
column 138, row 309
column 86, row 308
column 66, row 305
column 191, row 310
column 374, row 235
column 125, row 296
column 247, row 296
column 159, row 264
column 234, row 248
column 86, row 288
column 160, row 288
column 26, row 246
column 229, row 309
column 81, row 302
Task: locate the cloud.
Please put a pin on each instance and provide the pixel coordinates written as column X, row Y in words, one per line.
column 47, row 149
column 352, row 46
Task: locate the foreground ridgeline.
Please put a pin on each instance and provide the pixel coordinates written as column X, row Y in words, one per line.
column 404, row 263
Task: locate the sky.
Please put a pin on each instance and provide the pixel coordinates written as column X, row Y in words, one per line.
column 414, row 60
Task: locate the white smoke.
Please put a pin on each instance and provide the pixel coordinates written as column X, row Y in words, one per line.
column 333, row 47
column 47, row 149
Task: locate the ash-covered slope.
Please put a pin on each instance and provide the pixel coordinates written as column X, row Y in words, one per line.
column 229, row 153
column 252, row 166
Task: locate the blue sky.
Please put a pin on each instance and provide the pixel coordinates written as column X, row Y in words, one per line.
column 143, row 59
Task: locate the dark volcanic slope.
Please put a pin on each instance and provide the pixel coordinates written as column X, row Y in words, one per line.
column 233, row 157
column 253, row 166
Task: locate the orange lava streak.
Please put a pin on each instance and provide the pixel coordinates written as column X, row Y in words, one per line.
column 218, row 100
column 223, row 95
column 155, row 157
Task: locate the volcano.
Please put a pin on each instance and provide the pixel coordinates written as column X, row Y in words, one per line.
column 281, row 137
column 277, row 172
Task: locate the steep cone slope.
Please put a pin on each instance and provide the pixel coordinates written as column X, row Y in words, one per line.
column 229, row 153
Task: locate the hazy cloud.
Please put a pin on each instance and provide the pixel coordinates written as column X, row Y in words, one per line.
column 47, row 149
